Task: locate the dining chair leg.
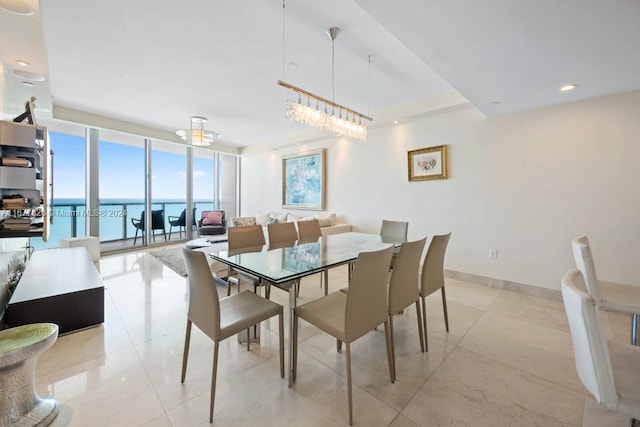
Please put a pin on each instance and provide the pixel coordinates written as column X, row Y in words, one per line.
column 392, row 346
column 424, row 323
column 444, row 306
column 214, row 373
column 294, row 352
column 249, row 339
column 338, row 345
column 349, row 394
column 387, row 340
column 185, row 354
column 281, row 324
column 419, row 315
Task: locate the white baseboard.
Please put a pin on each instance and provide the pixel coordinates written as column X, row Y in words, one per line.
column 536, row 291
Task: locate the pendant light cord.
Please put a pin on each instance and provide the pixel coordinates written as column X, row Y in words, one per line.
column 283, row 28
column 369, row 88
column 333, row 71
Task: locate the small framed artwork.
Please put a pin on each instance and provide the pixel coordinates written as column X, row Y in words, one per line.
column 303, row 180
column 428, row 163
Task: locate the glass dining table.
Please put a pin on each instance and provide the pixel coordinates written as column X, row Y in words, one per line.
column 282, row 266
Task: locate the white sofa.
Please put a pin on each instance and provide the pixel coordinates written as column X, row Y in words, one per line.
column 328, row 224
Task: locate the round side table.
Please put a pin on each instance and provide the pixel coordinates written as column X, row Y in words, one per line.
column 20, row 405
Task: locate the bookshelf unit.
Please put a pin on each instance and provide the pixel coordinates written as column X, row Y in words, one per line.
column 24, row 183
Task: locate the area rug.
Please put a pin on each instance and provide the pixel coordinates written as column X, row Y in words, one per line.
column 172, row 256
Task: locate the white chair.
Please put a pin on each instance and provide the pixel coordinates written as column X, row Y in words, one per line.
column 610, row 371
column 608, row 296
column 220, row 319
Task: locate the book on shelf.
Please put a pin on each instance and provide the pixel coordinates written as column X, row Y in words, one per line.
column 16, row 224
column 15, row 203
column 15, row 161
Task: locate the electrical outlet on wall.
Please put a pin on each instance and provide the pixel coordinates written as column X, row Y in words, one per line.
column 493, row 254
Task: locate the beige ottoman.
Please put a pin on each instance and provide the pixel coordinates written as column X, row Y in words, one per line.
column 92, row 244
column 19, row 350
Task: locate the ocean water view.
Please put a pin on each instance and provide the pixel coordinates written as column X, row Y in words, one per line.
column 69, row 218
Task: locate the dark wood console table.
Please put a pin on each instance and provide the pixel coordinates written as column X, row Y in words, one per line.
column 60, row 286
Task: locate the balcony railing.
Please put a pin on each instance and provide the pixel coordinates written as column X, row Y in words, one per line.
column 69, row 219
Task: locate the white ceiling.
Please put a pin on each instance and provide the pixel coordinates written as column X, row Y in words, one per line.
column 156, row 63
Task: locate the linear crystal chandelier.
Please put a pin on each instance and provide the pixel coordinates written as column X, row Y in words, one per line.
column 197, row 135
column 313, row 110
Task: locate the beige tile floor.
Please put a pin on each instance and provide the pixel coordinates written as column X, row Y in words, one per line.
column 506, row 361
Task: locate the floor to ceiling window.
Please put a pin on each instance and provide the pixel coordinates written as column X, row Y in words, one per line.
column 203, row 181
column 168, row 191
column 121, row 186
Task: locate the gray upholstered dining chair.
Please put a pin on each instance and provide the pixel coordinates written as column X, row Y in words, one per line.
column 309, row 231
column 220, row 319
column 281, row 235
column 282, row 232
column 403, row 289
column 249, row 236
column 349, row 316
column 394, row 232
column 432, row 278
column 608, row 370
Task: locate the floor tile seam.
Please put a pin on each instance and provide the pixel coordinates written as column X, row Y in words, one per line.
column 527, row 373
column 423, row 384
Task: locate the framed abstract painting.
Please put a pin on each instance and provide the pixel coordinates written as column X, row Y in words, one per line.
column 303, row 180
column 428, row 163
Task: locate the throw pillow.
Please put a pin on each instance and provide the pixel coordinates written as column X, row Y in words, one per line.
column 244, row 221
column 277, row 217
column 212, row 218
column 292, row 218
column 262, row 219
column 326, row 219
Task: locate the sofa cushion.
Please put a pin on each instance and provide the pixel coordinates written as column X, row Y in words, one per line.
column 212, row 218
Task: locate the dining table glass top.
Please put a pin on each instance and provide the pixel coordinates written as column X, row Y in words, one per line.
column 288, row 261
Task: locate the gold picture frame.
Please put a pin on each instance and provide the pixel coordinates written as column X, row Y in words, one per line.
column 428, row 163
column 304, row 180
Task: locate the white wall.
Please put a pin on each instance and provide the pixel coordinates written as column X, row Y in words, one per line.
column 524, row 184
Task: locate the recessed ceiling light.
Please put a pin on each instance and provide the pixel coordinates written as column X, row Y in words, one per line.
column 28, row 84
column 23, row 63
column 292, row 65
column 27, row 75
column 494, row 102
column 395, row 122
column 20, row 7
column 568, row 87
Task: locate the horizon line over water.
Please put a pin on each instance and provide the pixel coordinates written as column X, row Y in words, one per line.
column 62, row 201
